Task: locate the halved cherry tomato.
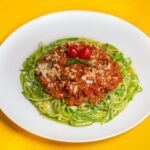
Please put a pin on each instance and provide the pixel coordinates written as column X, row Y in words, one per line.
column 73, row 52
column 85, row 52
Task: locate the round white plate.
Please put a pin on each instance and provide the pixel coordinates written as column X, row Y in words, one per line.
column 97, row 26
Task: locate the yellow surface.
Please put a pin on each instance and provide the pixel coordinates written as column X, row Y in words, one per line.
column 14, row 13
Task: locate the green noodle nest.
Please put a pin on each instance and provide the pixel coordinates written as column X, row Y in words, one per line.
column 87, row 113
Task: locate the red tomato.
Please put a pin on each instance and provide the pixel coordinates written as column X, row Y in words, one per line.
column 73, row 52
column 85, row 52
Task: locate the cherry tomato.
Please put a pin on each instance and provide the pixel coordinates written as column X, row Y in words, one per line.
column 73, row 52
column 85, row 52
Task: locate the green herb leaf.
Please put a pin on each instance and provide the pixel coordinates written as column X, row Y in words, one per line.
column 84, row 61
column 71, row 61
column 77, row 61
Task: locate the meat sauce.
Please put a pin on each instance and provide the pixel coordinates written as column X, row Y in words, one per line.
column 78, row 82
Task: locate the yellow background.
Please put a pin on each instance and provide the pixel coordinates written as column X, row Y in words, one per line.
column 14, row 13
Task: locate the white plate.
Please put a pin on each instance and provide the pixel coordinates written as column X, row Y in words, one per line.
column 105, row 28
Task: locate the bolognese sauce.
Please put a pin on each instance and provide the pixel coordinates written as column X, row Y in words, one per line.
column 78, row 82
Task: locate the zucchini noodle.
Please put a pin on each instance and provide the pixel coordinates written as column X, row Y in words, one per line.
column 86, row 113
